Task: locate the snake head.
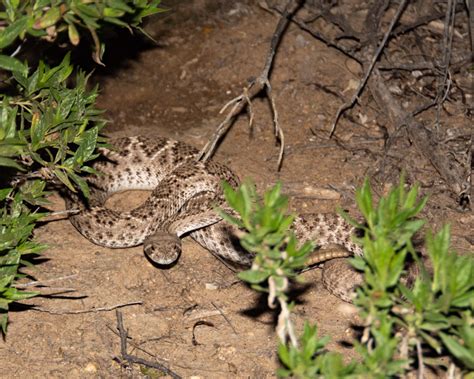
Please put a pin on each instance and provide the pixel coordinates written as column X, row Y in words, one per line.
column 162, row 248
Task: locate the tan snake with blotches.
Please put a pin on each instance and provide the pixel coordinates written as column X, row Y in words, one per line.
column 184, row 195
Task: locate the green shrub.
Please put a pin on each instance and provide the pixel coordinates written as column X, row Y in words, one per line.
column 405, row 329
column 49, row 125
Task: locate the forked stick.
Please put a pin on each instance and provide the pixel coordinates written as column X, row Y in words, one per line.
column 262, row 82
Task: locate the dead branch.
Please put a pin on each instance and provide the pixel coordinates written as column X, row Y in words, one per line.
column 91, row 310
column 224, row 317
column 262, row 82
column 362, row 84
column 41, row 283
column 454, row 66
column 58, row 215
column 133, row 359
column 421, row 137
column 304, row 25
column 445, row 83
column 421, row 21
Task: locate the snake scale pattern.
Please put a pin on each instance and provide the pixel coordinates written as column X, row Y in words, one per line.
column 184, row 194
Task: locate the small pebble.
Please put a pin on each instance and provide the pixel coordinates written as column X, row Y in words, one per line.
column 91, row 368
column 211, row 286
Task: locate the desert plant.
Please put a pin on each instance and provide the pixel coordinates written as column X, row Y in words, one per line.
column 49, row 125
column 277, row 256
column 404, row 328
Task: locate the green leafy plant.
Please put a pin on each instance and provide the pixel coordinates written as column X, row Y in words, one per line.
column 42, row 121
column 16, row 226
column 267, row 235
column 437, row 307
column 309, row 359
column 50, row 19
column 405, row 329
column 49, row 125
column 48, row 132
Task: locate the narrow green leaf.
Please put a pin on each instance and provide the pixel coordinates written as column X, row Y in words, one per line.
column 89, row 10
column 12, row 64
column 358, row 263
column 15, row 294
column 62, row 176
column 8, row 162
column 12, row 31
column 4, row 193
column 254, row 276
column 149, row 11
column 81, row 182
column 87, row 146
column 458, row 350
column 112, row 12
column 283, row 354
column 4, row 320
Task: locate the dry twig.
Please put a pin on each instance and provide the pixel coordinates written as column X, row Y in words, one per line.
column 133, row 359
column 91, row 310
column 58, row 215
column 262, row 82
column 445, row 83
column 224, row 316
column 422, row 139
column 376, row 56
column 303, row 25
column 40, row 283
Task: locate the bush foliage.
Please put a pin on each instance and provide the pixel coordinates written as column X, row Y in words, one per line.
column 405, row 329
column 49, row 125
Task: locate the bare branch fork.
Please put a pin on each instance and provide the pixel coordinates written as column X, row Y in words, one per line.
column 262, row 82
column 375, row 58
column 133, row 359
column 423, row 139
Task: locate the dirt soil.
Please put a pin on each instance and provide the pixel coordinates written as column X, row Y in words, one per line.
column 196, row 317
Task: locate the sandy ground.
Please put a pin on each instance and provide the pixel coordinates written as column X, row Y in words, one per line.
column 196, row 317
